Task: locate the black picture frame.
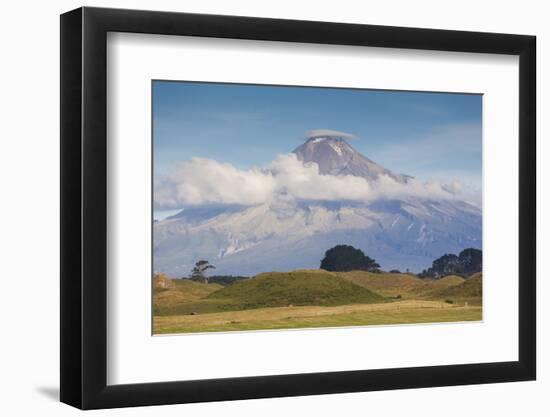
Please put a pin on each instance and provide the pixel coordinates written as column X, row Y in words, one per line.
column 84, row 207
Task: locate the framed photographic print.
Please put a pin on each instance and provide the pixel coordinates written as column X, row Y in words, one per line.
column 354, row 202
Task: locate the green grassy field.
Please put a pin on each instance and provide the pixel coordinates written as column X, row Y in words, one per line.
column 314, row 298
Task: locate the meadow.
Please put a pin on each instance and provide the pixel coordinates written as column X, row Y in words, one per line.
column 313, row 299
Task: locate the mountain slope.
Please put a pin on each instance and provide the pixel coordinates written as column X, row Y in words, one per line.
column 287, row 233
column 281, row 237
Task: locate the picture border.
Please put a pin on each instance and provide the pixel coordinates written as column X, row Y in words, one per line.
column 84, row 207
column 233, row 83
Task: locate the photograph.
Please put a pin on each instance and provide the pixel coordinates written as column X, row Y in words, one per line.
column 286, row 207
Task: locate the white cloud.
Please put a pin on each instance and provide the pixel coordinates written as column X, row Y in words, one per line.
column 320, row 133
column 205, row 181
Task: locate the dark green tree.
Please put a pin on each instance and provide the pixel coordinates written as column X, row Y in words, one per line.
column 347, row 258
column 198, row 273
column 468, row 262
column 471, row 261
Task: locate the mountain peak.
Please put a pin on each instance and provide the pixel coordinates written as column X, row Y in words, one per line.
column 331, row 151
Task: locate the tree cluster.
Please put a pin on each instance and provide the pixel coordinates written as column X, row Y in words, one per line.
column 344, row 258
column 468, row 262
column 225, row 279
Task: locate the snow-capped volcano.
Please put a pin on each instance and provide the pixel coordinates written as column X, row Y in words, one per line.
column 403, row 230
column 335, row 156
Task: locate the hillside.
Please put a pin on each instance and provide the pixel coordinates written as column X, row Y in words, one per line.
column 432, row 285
column 314, row 298
column 404, row 285
column 298, row 288
column 386, row 284
column 476, row 275
column 180, row 291
column 470, row 288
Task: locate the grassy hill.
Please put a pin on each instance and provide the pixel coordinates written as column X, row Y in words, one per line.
column 476, row 275
column 386, row 284
column 313, row 298
column 470, row 288
column 309, row 288
column 441, row 284
column 446, row 282
column 298, row 288
column 180, row 292
column 404, row 285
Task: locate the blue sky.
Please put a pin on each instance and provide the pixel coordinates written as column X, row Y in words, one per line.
column 431, row 136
